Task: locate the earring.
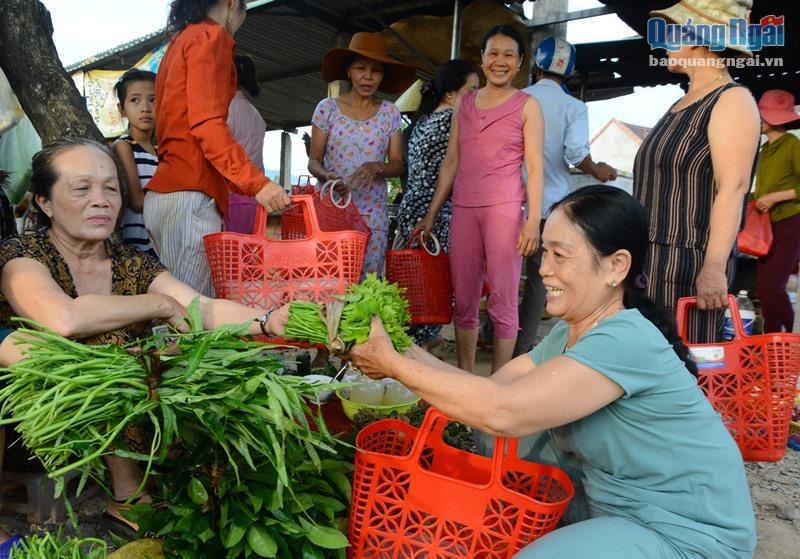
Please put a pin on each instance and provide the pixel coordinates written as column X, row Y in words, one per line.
column 613, row 283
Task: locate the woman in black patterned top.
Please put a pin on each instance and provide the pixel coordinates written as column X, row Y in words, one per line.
column 71, row 278
column 692, row 174
column 426, row 149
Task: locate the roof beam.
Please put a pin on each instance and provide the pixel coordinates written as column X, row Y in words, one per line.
column 323, row 13
column 569, row 16
column 292, row 73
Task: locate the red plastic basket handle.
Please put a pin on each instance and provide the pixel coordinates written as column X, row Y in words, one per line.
column 433, row 426
column 332, row 184
column 686, row 303
column 309, row 215
column 419, row 235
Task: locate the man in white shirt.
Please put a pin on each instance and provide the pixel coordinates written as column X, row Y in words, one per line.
column 566, row 142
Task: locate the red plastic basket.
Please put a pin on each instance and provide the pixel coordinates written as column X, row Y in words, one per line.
column 332, row 413
column 332, row 214
column 425, row 276
column 266, row 273
column 751, row 381
column 303, row 185
column 415, row 496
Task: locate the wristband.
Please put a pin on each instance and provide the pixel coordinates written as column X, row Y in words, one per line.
column 262, row 322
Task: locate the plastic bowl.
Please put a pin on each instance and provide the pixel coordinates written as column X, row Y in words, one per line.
column 323, row 395
column 351, row 408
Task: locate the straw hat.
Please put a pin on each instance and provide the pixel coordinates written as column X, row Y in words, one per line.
column 709, row 12
column 409, row 101
column 777, row 107
column 397, row 76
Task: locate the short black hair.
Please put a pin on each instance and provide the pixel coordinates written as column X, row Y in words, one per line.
column 246, row 75
column 510, row 32
column 132, row 75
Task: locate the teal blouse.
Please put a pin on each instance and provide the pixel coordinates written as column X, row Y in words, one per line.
column 660, row 455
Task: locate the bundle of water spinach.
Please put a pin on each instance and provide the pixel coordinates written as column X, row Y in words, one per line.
column 348, row 320
column 242, row 471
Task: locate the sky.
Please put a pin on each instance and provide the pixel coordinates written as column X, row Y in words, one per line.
column 83, row 28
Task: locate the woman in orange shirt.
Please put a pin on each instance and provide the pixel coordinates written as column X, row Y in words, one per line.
column 199, row 161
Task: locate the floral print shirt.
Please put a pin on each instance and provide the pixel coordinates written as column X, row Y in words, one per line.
column 352, row 143
column 132, row 273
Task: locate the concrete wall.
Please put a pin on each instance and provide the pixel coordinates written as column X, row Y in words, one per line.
column 617, row 147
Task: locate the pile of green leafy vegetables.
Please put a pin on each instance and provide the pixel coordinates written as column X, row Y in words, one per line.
column 238, row 463
column 55, row 546
column 348, row 320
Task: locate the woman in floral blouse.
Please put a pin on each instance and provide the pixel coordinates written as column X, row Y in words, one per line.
column 357, row 137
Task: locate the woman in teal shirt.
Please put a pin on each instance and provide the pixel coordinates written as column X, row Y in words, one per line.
column 612, row 387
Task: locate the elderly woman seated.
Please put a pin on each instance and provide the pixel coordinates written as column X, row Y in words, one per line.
column 74, row 279
column 613, row 389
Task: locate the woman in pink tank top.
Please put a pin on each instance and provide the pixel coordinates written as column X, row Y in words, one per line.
column 495, row 131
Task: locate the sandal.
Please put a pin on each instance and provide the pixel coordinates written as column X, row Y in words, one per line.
column 115, row 512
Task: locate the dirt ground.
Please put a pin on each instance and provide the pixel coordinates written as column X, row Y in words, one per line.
column 775, row 489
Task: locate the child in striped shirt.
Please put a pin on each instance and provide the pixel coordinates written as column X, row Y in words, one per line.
column 136, row 92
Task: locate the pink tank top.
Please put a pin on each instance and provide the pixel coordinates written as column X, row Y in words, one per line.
column 492, row 152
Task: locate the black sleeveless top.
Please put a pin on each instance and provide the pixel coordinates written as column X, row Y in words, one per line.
column 674, row 177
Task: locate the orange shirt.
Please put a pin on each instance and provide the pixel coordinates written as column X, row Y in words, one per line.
column 194, row 87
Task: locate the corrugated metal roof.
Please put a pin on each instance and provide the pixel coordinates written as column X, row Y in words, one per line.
column 115, row 58
column 287, row 39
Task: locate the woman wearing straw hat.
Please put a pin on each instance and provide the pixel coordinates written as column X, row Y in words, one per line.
column 778, row 192
column 694, row 169
column 356, row 137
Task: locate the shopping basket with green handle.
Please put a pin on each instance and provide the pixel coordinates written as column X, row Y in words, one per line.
column 751, row 381
column 416, row 496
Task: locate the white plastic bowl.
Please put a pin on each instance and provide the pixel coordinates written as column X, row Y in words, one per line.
column 324, row 395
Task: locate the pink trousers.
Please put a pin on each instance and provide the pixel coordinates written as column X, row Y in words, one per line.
column 484, row 239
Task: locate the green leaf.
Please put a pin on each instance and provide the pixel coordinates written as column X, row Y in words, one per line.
column 262, row 542
column 195, row 316
column 197, row 492
column 234, row 535
column 309, row 551
column 256, row 501
column 324, row 536
column 342, row 483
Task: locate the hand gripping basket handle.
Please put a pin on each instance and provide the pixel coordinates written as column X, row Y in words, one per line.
column 419, row 235
column 331, row 184
column 433, row 427
column 309, row 216
column 686, row 303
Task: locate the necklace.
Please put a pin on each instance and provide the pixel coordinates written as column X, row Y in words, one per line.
column 702, row 87
column 595, row 323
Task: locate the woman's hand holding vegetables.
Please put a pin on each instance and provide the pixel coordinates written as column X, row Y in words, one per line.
column 374, row 357
column 529, row 237
column 173, row 312
column 277, row 320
